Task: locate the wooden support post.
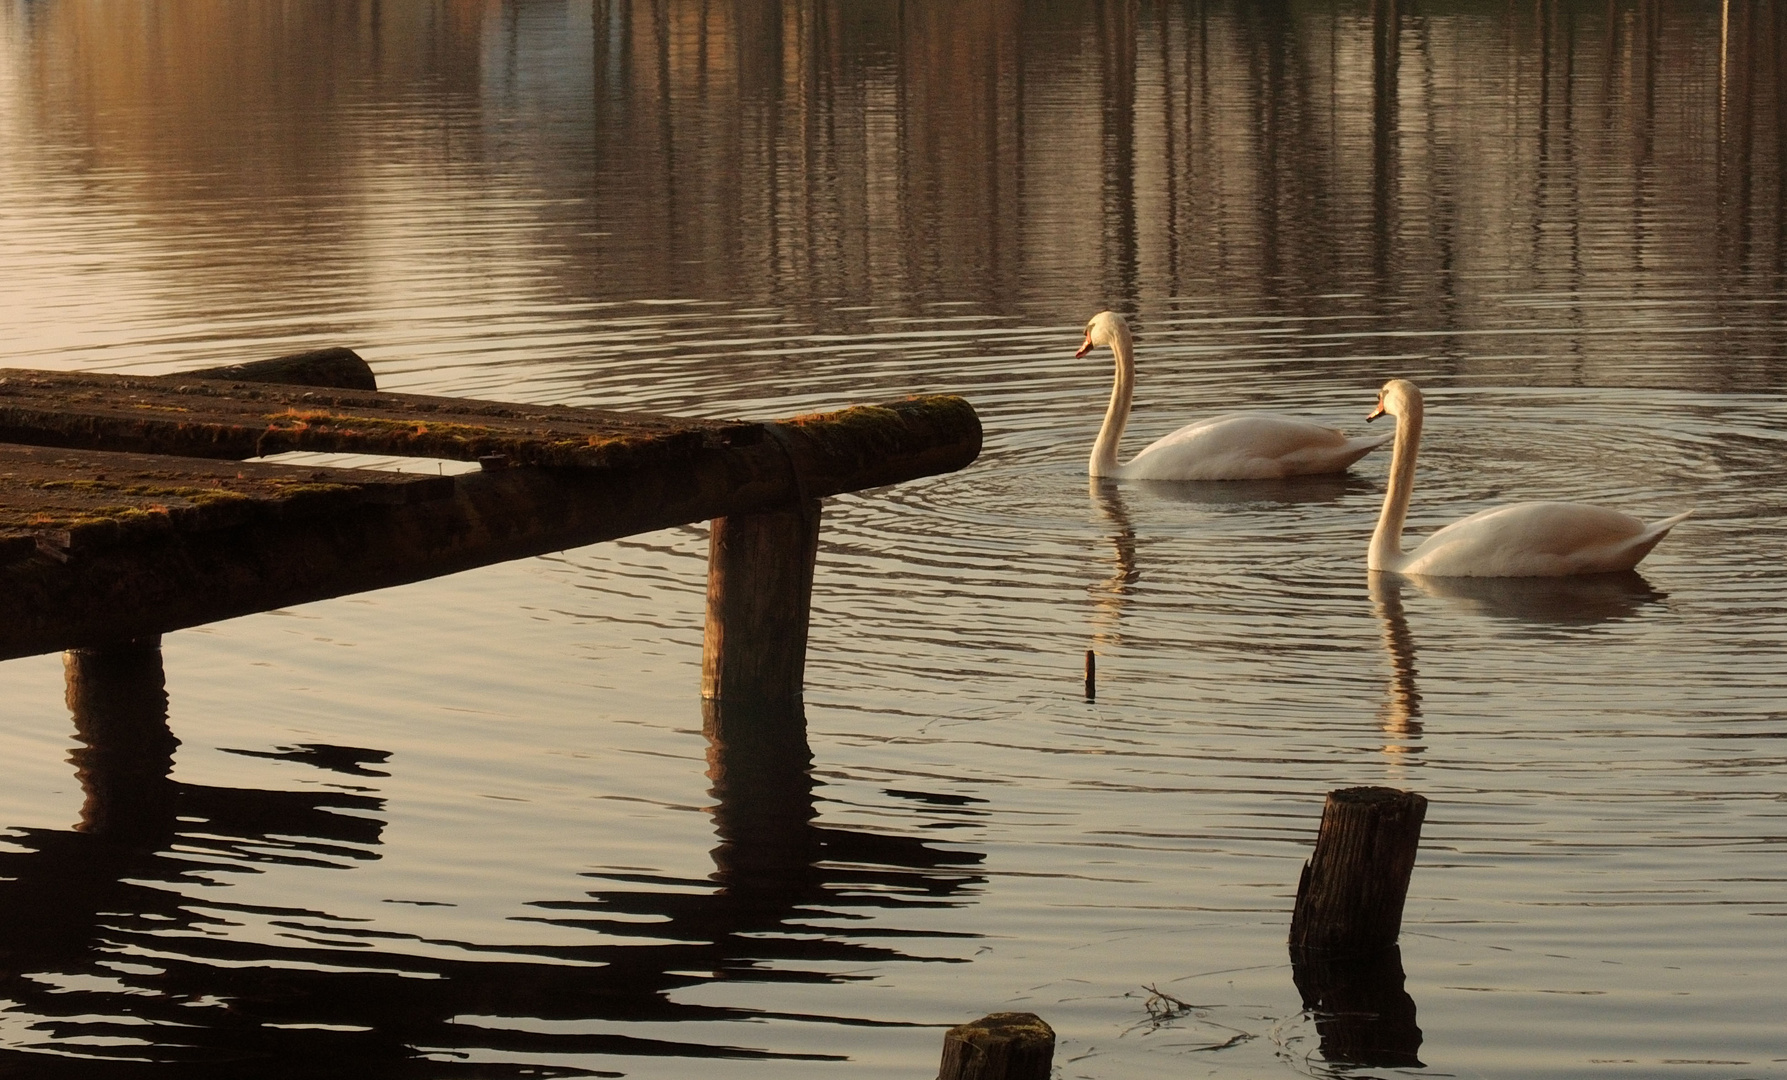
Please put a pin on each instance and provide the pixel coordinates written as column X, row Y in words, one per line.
column 1002, row 1046
column 759, row 592
column 118, row 698
column 1349, row 901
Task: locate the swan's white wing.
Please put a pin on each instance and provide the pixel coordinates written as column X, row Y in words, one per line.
column 1247, row 446
column 1537, row 539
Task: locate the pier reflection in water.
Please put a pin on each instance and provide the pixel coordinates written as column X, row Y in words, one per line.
column 106, row 942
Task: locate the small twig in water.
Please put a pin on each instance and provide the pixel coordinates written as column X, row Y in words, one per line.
column 1163, row 1006
column 1236, row 1041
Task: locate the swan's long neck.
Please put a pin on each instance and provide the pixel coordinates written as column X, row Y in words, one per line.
column 1116, row 418
column 1386, row 542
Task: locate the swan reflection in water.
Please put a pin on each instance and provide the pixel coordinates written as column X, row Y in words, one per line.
column 1537, row 606
column 1400, row 714
column 1290, row 491
column 1111, row 594
column 1584, row 600
column 120, row 956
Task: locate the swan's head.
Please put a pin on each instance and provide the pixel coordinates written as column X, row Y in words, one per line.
column 1399, row 397
column 1106, row 328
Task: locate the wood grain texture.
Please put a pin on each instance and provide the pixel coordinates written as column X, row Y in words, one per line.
column 999, row 1046
column 164, row 570
column 1350, row 898
column 759, row 592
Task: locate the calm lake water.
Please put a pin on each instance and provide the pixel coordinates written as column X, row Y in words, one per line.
column 465, row 828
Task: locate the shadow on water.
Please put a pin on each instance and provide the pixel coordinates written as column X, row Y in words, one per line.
column 1363, row 1015
column 1289, row 491
column 115, row 966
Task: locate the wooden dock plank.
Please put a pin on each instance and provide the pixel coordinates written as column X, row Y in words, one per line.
column 58, row 502
column 200, row 565
column 210, row 418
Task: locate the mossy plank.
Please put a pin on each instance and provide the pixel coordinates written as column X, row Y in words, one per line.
column 104, row 547
column 58, row 502
column 200, row 417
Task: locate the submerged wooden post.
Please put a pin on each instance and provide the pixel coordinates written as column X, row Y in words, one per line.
column 118, row 698
column 1002, row 1046
column 1350, row 898
column 1363, row 1015
column 759, row 592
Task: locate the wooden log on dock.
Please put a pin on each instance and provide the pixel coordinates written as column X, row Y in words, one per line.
column 169, row 555
column 1350, row 897
column 1001, row 1046
column 192, row 416
column 339, row 368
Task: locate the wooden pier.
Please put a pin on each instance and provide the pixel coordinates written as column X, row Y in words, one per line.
column 127, row 510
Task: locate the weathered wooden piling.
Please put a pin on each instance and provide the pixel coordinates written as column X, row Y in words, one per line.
column 1091, row 675
column 1000, row 1046
column 759, row 594
column 1350, row 897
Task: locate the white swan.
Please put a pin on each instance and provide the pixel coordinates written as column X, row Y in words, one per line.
column 1529, row 539
column 1235, row 446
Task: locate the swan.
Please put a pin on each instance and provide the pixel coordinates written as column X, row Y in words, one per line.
column 1234, row 446
column 1528, row 539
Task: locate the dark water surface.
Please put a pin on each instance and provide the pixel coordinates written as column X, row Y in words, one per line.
column 467, row 828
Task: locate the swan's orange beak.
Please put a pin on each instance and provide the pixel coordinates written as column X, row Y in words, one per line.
column 1375, row 413
column 1085, row 347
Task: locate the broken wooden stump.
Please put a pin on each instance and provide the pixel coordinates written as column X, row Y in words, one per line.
column 1000, row 1046
column 1350, row 897
column 1344, row 958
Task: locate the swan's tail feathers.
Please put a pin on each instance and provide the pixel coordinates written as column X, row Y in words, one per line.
column 1357, row 448
column 1661, row 529
column 1640, row 545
